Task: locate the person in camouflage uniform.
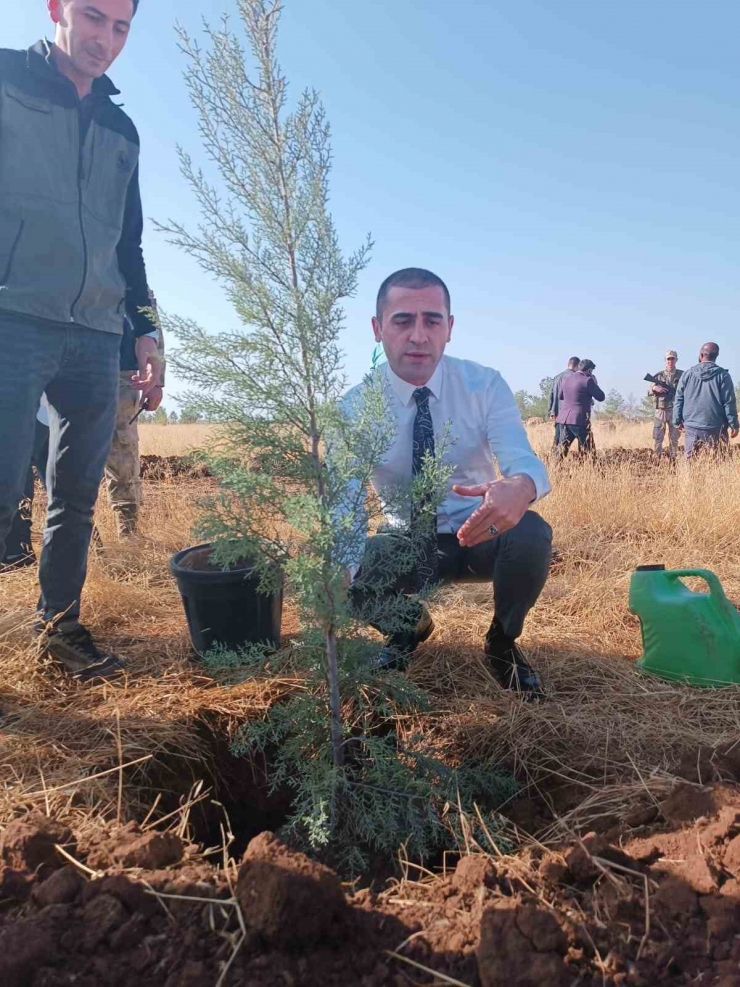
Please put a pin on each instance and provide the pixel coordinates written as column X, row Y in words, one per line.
column 664, row 397
column 122, row 470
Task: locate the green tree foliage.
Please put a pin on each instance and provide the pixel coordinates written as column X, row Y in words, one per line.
column 646, row 408
column 172, row 418
column 532, row 405
column 614, row 405
column 189, row 415
column 160, row 416
column 293, row 466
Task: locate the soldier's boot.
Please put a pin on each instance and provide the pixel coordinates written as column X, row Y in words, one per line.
column 127, row 521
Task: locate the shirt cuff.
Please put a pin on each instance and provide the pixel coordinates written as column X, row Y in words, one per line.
column 541, row 482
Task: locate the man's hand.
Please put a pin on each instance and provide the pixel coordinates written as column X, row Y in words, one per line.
column 504, row 504
column 149, row 378
column 680, row 427
column 657, row 389
column 734, row 433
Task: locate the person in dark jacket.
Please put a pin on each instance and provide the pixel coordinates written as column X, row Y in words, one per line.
column 705, row 407
column 553, row 408
column 577, row 393
column 71, row 267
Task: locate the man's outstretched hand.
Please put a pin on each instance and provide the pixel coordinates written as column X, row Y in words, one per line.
column 504, row 504
column 149, row 378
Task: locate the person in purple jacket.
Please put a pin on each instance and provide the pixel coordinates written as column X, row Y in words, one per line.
column 577, row 393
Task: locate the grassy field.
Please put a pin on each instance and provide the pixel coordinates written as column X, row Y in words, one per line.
column 173, row 440
column 604, row 730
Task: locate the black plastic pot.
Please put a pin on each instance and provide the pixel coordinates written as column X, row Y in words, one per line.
column 225, row 607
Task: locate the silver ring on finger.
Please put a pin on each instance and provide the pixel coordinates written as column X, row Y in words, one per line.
column 492, row 530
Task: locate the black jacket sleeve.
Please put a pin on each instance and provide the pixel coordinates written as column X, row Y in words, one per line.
column 131, row 260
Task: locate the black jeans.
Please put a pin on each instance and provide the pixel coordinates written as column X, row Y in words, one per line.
column 78, row 370
column 580, row 433
column 18, row 541
column 516, row 562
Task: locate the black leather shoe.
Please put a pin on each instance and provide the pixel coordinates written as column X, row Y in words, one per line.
column 12, row 563
column 509, row 667
column 398, row 648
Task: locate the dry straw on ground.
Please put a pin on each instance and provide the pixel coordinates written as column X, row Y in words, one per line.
column 605, row 732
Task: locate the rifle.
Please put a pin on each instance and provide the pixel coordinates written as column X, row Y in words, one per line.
column 145, row 407
column 670, row 389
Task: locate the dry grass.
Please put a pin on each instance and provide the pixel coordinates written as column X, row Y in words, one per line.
column 607, row 435
column 605, row 731
column 173, row 440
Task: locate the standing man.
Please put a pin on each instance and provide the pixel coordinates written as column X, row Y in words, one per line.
column 705, row 406
column 485, row 530
column 123, row 468
column 554, row 406
column 664, row 394
column 71, row 266
column 577, row 394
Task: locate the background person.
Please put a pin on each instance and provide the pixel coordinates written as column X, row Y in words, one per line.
column 70, row 262
column 485, row 530
column 577, row 393
column 19, row 552
column 664, row 398
column 705, row 406
column 122, row 468
column 554, row 406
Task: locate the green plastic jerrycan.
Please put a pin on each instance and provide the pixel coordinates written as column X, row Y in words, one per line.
column 691, row 637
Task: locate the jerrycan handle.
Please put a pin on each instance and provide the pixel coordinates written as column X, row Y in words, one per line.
column 715, row 586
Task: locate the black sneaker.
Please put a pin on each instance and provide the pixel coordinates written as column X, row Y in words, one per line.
column 78, row 654
column 509, row 667
column 398, row 648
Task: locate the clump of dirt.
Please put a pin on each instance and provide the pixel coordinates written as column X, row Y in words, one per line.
column 663, row 906
column 522, row 945
column 290, row 900
column 29, row 843
column 132, row 848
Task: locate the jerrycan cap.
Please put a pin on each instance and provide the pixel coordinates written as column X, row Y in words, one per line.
column 650, row 568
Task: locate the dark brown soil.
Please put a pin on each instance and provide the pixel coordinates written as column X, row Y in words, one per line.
column 172, row 467
column 660, row 907
column 200, row 561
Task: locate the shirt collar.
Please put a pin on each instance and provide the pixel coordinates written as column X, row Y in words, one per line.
column 40, row 60
column 405, row 391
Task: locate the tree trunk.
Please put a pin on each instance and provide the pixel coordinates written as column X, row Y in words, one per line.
column 335, row 702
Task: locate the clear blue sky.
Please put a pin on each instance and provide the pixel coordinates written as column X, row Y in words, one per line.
column 569, row 167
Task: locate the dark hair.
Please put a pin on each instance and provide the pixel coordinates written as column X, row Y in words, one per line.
column 136, row 5
column 710, row 351
column 587, row 365
column 409, row 277
column 574, row 361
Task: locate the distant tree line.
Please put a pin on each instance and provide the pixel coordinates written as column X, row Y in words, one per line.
column 187, row 416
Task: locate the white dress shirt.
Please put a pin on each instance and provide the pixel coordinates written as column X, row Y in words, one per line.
column 486, row 430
